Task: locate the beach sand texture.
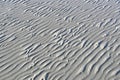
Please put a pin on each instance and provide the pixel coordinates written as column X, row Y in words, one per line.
column 59, row 39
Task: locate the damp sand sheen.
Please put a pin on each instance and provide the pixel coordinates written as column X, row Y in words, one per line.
column 59, row 39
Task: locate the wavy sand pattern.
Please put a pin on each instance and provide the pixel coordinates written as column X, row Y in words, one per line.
column 59, row 40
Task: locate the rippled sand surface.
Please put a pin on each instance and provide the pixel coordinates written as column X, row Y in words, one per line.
column 59, row 39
